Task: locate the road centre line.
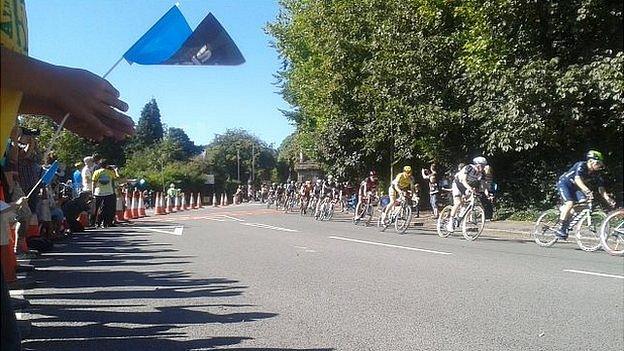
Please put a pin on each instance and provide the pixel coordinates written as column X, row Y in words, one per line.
column 594, row 273
column 266, row 226
column 390, row 245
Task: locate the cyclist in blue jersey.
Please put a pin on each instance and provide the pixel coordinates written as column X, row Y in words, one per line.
column 573, row 187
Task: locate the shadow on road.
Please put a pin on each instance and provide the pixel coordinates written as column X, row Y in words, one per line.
column 120, row 291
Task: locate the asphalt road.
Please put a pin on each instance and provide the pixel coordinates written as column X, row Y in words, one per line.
column 247, row 278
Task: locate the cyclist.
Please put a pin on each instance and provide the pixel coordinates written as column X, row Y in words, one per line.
column 402, row 183
column 306, row 193
column 466, row 182
column 368, row 189
column 573, row 187
column 328, row 190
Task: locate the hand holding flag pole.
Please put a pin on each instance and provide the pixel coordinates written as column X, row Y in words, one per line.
column 170, row 41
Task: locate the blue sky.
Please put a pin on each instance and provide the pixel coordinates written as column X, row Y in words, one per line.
column 204, row 101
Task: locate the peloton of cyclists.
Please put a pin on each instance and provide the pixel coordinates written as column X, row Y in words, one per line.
column 573, row 187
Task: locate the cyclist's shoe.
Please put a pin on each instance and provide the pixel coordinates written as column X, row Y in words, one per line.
column 450, row 227
column 562, row 234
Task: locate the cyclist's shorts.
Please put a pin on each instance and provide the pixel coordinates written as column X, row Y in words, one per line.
column 458, row 189
column 384, row 201
column 569, row 192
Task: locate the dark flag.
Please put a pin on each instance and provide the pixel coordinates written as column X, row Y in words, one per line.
column 209, row 44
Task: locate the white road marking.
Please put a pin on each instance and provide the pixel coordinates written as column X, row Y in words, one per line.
column 305, row 249
column 594, row 273
column 266, row 226
column 390, row 245
column 176, row 230
column 233, row 218
column 214, row 219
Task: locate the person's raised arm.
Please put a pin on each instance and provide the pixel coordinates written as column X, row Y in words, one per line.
column 55, row 90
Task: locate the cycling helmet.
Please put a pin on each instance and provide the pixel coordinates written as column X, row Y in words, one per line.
column 319, row 181
column 329, row 177
column 407, row 169
column 595, row 155
column 373, row 173
column 479, row 160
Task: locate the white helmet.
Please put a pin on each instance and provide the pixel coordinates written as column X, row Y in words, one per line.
column 329, row 177
column 479, row 160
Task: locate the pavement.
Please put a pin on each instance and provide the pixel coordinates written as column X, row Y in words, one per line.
column 250, row 278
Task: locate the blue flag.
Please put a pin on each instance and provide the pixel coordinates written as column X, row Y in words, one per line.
column 161, row 41
column 50, row 173
column 172, row 42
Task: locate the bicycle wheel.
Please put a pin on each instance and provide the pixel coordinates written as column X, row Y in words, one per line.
column 403, row 219
column 612, row 233
column 544, row 231
column 318, row 214
column 369, row 214
column 473, row 223
column 359, row 213
column 443, row 219
column 329, row 212
column 588, row 231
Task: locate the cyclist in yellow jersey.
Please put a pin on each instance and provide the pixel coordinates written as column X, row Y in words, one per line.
column 403, row 182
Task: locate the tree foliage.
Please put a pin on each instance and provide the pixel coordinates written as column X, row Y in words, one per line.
column 530, row 84
column 149, row 129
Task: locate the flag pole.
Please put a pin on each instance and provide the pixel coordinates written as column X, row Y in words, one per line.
column 60, row 127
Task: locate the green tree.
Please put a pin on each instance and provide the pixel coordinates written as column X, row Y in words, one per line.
column 149, row 130
column 188, row 147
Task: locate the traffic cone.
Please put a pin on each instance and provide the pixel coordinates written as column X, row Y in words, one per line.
column 177, row 203
column 157, row 204
column 214, row 200
column 191, row 202
column 198, row 203
column 183, row 202
column 141, row 206
column 169, row 209
column 7, row 254
column 128, row 211
column 33, row 227
column 119, row 212
column 135, row 205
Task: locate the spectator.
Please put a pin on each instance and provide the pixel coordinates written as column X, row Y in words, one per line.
column 431, row 176
column 97, row 162
column 86, row 174
column 77, row 178
column 29, row 165
column 104, row 193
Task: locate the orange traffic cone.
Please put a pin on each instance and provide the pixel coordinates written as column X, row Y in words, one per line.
column 183, row 206
column 128, row 211
column 157, row 208
column 7, row 253
column 33, row 227
column 177, row 203
column 141, row 206
column 135, row 205
column 191, row 202
column 169, row 208
column 119, row 212
column 198, row 203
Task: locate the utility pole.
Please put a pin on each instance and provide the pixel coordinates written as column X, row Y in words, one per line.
column 253, row 164
column 238, row 163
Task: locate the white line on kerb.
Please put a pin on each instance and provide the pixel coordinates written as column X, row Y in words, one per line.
column 390, row 245
column 594, row 273
column 266, row 226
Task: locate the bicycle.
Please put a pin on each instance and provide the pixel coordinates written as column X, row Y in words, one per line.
column 585, row 222
column 401, row 214
column 364, row 210
column 305, row 201
column 612, row 233
column 325, row 211
column 471, row 217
